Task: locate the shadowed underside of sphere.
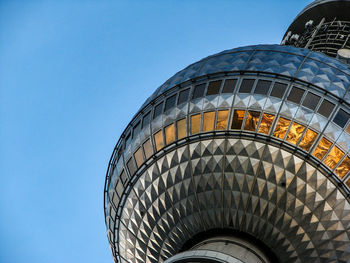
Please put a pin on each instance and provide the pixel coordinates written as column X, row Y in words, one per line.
column 252, row 140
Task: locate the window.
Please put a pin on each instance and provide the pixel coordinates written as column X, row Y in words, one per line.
column 278, row 90
column 237, row 119
column 170, row 102
column 138, row 157
column 295, row 95
column 229, row 86
column 326, row 108
column 181, row 129
column 195, row 123
column 158, row 139
column 311, row 100
column 308, row 140
column 221, row 122
column 147, row 149
column 266, row 123
column 246, row 85
column 252, row 120
column 281, row 128
column 214, row 87
column 322, row 148
column 158, row 110
column 295, row 132
column 146, row 119
column 170, row 134
column 341, row 118
column 136, row 130
column 183, row 96
column 131, row 166
column 334, row 156
column 127, row 140
column 198, row 91
column 343, row 168
column 262, row 87
column 208, row 121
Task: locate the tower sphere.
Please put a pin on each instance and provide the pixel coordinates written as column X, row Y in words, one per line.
column 242, row 156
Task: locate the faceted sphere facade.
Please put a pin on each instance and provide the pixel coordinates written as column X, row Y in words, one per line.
column 254, row 139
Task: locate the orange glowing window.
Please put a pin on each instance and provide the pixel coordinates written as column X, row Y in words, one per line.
column 348, row 183
column 181, row 129
column 237, row 119
column 221, row 122
column 308, row 140
column 195, row 123
column 139, row 157
column 322, row 148
column 334, row 156
column 158, row 139
column 266, row 123
column 343, row 168
column 281, row 128
column 170, row 134
column 252, row 120
column 295, row 133
column 208, row 121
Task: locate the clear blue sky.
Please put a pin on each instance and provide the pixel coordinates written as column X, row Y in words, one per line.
column 72, row 75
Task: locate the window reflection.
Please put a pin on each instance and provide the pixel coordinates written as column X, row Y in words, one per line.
column 252, row 120
column 181, row 129
column 295, row 133
column 221, row 122
column 334, row 156
column 343, row 168
column 281, row 128
column 266, row 123
column 322, row 148
column 147, row 149
column 195, row 123
column 139, row 157
column 158, row 139
column 208, row 121
column 308, row 140
column 237, row 119
column 170, row 134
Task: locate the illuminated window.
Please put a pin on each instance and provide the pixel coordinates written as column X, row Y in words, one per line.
column 343, row 168
column 341, row 118
column 322, row 148
column 198, row 91
column 170, row 102
column 348, row 129
column 295, row 95
column 334, row 156
column 208, row 121
column 158, row 110
column 326, row 108
column 308, row 140
column 278, row 90
column 266, row 123
column 229, row 86
column 158, row 139
column 221, row 122
column 348, row 183
column 147, row 149
column 170, row 134
column 181, row 129
column 246, row 86
column 183, row 96
column 295, row 133
column 311, row 100
column 252, row 120
column 195, row 123
column 139, row 157
column 281, row 128
column 214, row 87
column 237, row 119
column 262, row 87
